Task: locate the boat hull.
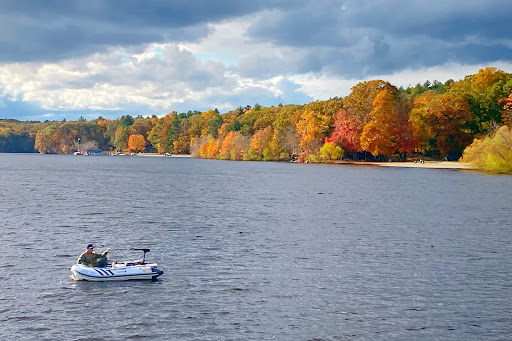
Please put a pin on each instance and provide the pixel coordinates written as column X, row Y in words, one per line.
column 117, row 272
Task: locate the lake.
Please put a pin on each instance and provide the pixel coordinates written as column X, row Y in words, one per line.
column 254, row 250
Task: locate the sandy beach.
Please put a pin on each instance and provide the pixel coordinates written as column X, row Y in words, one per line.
column 425, row 164
column 407, row 164
column 162, row 155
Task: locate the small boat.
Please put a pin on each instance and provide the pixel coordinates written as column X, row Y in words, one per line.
column 137, row 269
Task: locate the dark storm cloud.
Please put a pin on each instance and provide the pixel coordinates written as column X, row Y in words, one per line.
column 351, row 37
column 359, row 38
column 34, row 30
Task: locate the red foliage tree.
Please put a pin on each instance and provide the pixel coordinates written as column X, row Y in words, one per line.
column 347, row 131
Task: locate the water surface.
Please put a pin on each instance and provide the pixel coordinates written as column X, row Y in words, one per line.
column 255, row 251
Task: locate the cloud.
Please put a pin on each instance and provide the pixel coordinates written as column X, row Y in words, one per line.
column 162, row 78
column 358, row 38
column 109, row 57
column 106, row 81
column 322, row 87
column 56, row 29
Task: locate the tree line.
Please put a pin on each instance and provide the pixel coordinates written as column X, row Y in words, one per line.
column 376, row 121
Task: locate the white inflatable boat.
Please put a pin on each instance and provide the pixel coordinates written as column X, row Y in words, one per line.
column 137, row 269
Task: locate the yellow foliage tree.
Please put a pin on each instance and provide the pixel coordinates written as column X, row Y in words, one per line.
column 492, row 154
column 209, row 149
column 312, row 128
column 330, row 151
column 483, row 91
column 161, row 136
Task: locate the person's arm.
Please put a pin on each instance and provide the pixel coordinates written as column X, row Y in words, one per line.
column 105, row 253
column 81, row 259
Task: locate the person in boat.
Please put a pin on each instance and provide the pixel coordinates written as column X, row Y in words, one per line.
column 91, row 258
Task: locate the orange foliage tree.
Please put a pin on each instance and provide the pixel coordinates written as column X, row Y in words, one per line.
column 380, row 136
column 360, row 100
column 507, row 110
column 136, row 143
column 208, row 148
column 440, row 122
column 261, row 140
column 234, row 146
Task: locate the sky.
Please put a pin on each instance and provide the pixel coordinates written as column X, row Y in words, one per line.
column 62, row 59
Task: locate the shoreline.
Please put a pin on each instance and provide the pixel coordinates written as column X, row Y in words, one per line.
column 163, row 155
column 411, row 164
column 403, row 164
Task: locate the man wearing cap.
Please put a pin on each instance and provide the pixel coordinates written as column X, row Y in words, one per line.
column 90, row 258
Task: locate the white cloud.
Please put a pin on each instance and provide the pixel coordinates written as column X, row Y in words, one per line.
column 161, row 78
column 104, row 83
column 442, row 73
column 242, row 60
column 322, row 87
column 227, row 41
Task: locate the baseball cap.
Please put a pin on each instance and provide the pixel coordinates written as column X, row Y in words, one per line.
column 90, row 246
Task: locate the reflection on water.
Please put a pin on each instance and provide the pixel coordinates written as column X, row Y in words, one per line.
column 254, row 251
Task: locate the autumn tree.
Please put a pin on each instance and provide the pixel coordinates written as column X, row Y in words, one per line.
column 265, row 118
column 450, row 117
column 118, row 131
column 329, row 107
column 492, row 154
column 407, row 142
column 312, row 128
column 136, row 143
column 347, row 131
column 380, row 136
column 103, row 142
column 198, row 125
column 330, row 151
column 163, row 134
column 62, row 137
column 234, row 146
column 141, row 125
column 211, row 121
column 183, row 142
column 286, row 139
column 507, row 110
column 44, row 141
column 360, row 100
column 121, row 137
column 208, row 147
column 482, row 91
column 17, row 136
column 260, row 144
column 440, row 123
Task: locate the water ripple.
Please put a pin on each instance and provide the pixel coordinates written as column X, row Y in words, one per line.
column 254, row 251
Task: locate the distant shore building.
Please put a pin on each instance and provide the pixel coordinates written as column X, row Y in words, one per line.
column 94, row 151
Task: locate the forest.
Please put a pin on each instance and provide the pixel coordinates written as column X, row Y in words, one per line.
column 470, row 118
